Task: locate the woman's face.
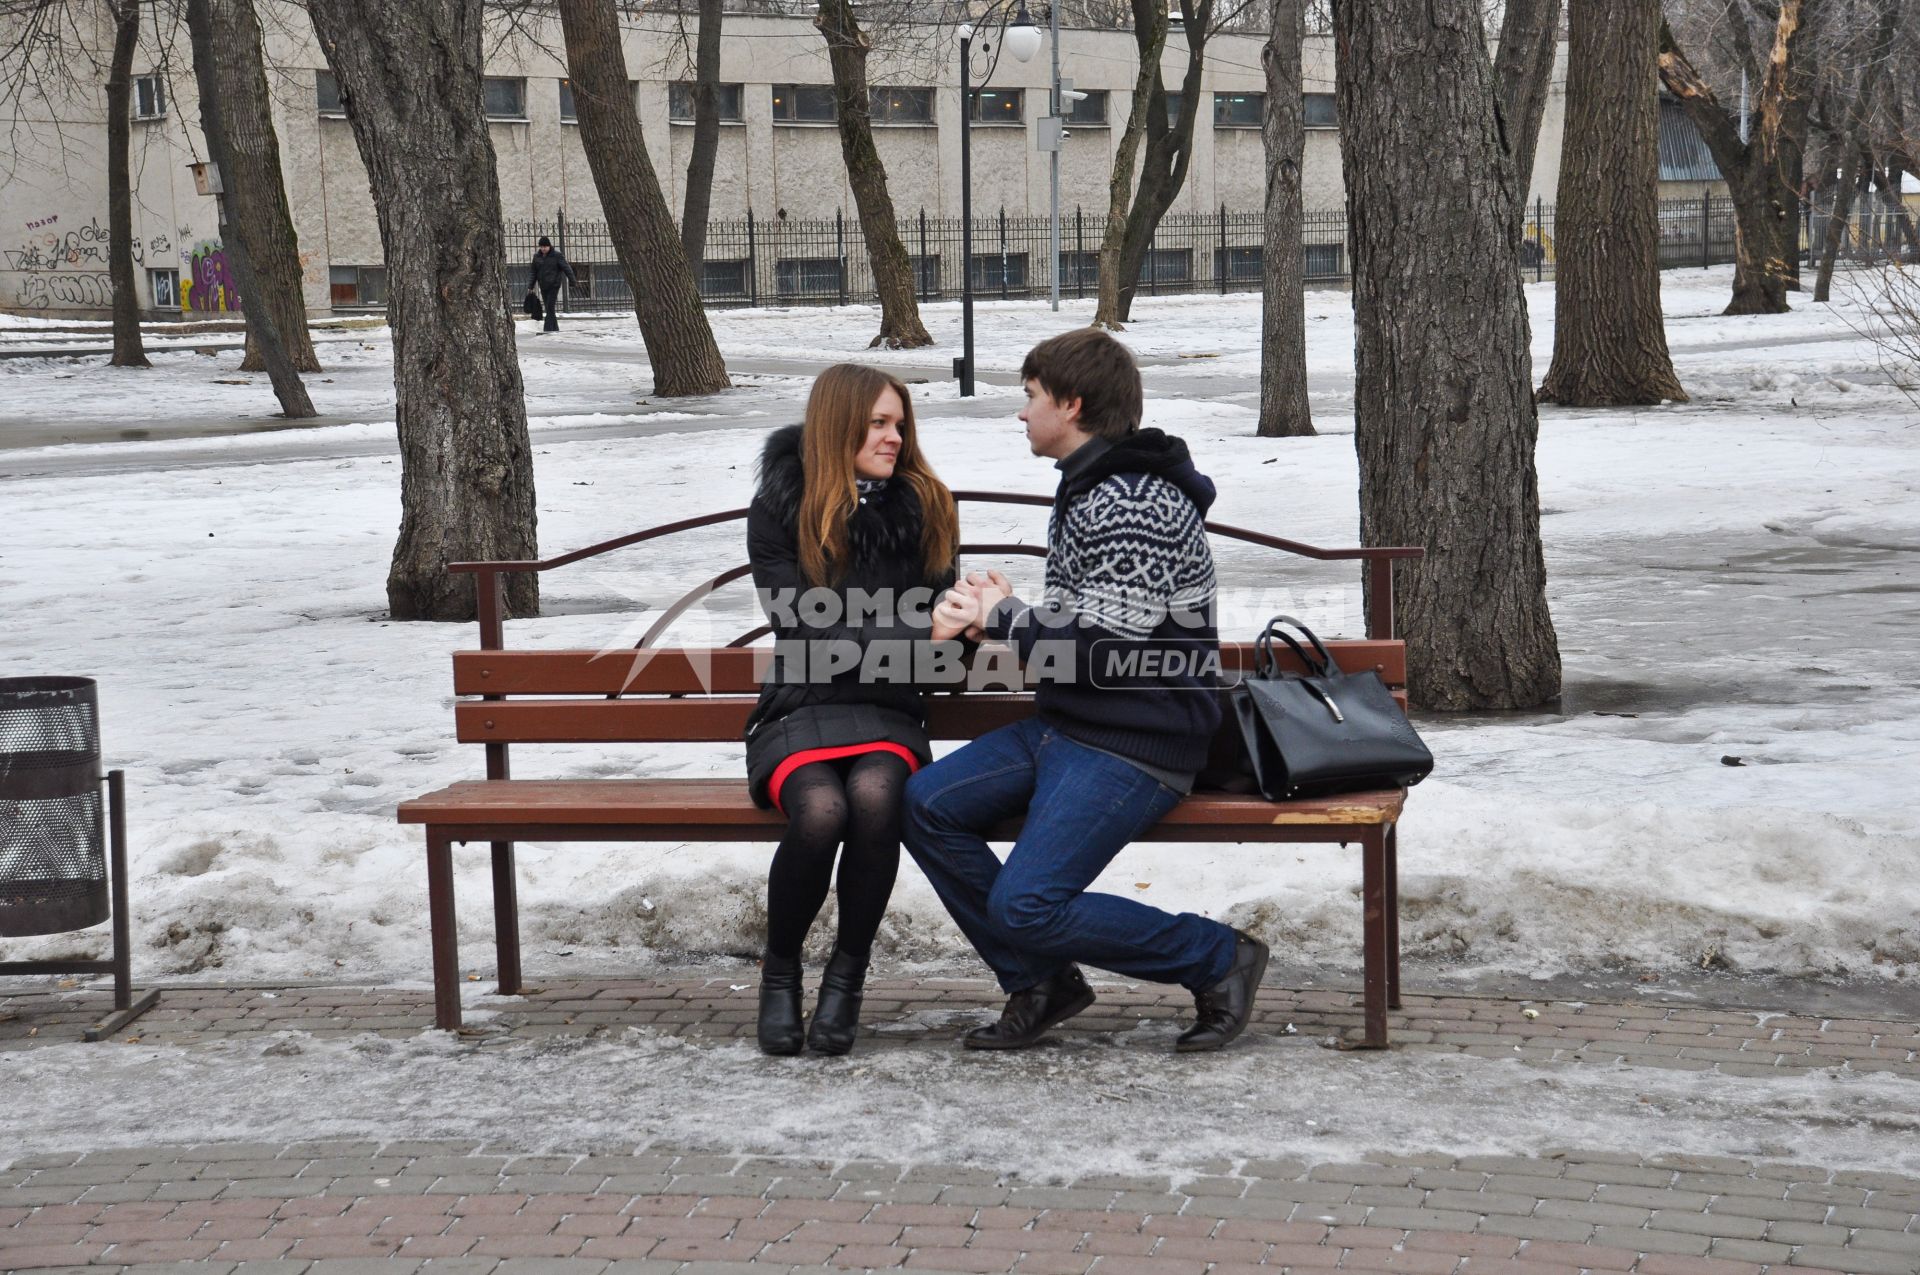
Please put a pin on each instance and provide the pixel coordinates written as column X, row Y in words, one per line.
column 881, row 449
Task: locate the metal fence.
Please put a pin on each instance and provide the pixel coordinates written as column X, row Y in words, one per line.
column 780, row 261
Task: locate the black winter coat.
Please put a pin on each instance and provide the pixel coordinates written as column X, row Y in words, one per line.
column 550, row 267
column 806, row 700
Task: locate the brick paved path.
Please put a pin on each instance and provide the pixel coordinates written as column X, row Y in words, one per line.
column 341, row 1208
column 924, row 1011
column 458, row 1206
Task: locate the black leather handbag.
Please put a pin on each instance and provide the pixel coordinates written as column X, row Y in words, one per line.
column 1324, row 731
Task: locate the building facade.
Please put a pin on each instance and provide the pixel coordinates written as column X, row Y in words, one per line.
column 779, row 153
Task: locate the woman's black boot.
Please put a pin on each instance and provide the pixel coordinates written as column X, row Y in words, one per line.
column 780, row 1031
column 836, row 1019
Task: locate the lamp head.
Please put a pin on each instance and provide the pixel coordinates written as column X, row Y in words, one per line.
column 1023, row 38
column 964, row 31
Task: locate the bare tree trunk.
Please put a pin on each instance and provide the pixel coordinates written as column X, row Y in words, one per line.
column 1284, row 410
column 1522, row 72
column 1163, row 169
column 256, row 190
column 1856, row 170
column 1838, row 217
column 706, row 136
column 1889, row 185
column 847, row 49
column 263, row 324
column 1149, row 103
column 128, row 349
column 666, row 300
column 1445, row 423
column 1759, row 171
column 412, row 73
column 1609, row 337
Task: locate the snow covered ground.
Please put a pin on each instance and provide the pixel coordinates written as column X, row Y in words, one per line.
column 1733, row 578
column 1123, row 1105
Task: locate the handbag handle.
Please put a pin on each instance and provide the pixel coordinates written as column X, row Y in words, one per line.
column 1264, row 664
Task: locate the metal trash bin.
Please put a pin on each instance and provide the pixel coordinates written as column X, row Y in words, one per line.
column 63, row 854
column 53, row 828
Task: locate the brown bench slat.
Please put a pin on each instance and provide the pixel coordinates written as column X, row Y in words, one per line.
column 737, row 670
column 711, row 719
column 722, row 805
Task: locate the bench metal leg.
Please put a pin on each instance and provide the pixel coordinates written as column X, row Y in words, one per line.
column 1374, row 942
column 446, row 939
column 506, row 918
column 1393, row 916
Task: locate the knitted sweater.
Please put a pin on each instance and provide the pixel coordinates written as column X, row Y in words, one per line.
column 1123, row 652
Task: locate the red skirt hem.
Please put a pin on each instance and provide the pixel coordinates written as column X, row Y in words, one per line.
column 806, row 756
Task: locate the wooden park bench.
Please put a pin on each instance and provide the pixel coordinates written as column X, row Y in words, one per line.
column 705, row 695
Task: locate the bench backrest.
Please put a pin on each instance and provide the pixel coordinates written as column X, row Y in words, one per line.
column 660, row 694
column 706, row 693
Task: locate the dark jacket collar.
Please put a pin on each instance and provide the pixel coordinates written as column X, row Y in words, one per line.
column 1082, row 458
column 1145, row 451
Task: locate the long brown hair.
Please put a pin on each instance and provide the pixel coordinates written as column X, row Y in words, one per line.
column 839, row 411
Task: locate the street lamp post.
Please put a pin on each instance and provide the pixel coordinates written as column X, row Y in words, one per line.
column 1022, row 39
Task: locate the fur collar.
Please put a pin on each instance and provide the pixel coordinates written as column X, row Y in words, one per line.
column 884, row 533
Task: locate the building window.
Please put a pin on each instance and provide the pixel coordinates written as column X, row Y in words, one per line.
column 723, row 280
column 926, row 274
column 991, row 272
column 1090, row 111
column 804, row 104
column 584, row 283
column 1319, row 110
column 1239, row 110
column 506, row 98
column 1167, row 265
column 1237, row 264
column 357, row 285
column 149, row 96
column 1174, row 103
column 567, row 113
column 680, row 103
column 326, row 95
column 1324, row 260
column 999, row 106
column 901, row 106
column 1079, row 269
column 808, row 276
column 165, row 286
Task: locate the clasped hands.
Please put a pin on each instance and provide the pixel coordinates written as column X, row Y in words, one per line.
column 963, row 609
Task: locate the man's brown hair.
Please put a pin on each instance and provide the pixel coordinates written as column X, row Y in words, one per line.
column 1091, row 366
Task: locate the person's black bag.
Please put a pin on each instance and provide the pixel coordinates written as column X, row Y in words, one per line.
column 1324, row 731
column 535, row 310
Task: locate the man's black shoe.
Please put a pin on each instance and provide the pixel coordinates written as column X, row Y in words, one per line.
column 1030, row 1014
column 1224, row 1009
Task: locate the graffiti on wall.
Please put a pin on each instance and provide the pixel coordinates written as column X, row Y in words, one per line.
column 84, row 249
column 207, row 283
column 90, row 288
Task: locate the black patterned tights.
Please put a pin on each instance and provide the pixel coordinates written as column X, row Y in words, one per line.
column 852, row 806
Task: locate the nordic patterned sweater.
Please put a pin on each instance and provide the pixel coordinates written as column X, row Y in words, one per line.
column 1123, row 652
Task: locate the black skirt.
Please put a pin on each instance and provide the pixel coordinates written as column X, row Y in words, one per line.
column 827, row 726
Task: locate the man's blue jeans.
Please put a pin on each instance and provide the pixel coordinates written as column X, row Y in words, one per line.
column 1031, row 917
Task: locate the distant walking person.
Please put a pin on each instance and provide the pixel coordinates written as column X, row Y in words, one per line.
column 550, row 266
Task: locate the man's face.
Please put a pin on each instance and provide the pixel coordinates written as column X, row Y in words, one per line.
column 1053, row 427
